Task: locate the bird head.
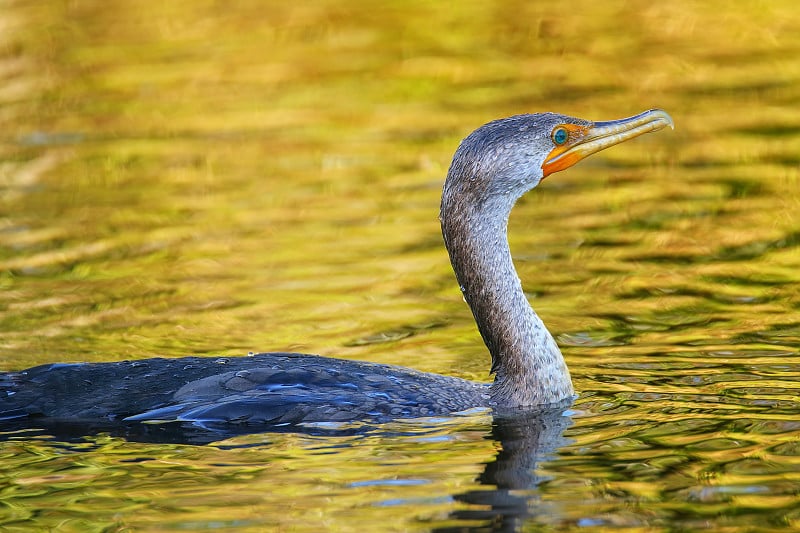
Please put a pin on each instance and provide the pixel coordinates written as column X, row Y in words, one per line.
column 510, row 156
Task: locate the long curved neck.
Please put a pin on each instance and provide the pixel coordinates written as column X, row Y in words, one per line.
column 529, row 368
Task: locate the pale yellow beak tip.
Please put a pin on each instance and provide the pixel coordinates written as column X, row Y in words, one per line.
column 665, row 116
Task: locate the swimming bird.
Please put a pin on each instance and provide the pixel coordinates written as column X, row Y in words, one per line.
column 491, row 169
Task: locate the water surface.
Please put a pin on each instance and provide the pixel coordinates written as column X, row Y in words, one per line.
column 184, row 178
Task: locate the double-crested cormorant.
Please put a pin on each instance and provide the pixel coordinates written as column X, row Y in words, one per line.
column 491, row 169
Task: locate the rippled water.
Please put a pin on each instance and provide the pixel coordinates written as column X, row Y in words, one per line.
column 182, row 178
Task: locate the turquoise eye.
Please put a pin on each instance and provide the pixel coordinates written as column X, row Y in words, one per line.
column 560, row 136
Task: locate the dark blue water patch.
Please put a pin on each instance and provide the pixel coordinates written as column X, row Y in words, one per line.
column 43, row 138
column 389, row 483
column 413, row 501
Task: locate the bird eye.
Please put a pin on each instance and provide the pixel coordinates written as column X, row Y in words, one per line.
column 560, row 135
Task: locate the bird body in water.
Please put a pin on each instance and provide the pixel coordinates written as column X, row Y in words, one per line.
column 491, row 169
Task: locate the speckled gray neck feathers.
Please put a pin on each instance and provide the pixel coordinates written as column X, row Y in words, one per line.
column 491, row 169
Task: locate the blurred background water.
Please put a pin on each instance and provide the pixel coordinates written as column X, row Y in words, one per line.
column 183, row 178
